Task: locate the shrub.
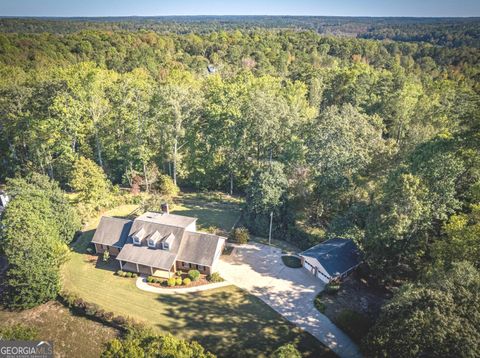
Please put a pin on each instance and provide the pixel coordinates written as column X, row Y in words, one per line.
column 215, row 277
column 91, row 309
column 89, row 250
column 291, row 261
column 165, row 186
column 178, row 281
column 106, row 255
column 194, row 275
column 119, row 273
column 240, row 235
column 332, row 288
column 108, row 316
column 150, row 279
column 157, row 280
column 186, row 281
column 179, row 273
column 134, row 274
column 119, row 320
column 171, row 282
column 319, row 305
column 128, row 274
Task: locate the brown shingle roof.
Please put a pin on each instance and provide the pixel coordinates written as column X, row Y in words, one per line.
column 193, row 247
column 112, row 231
column 199, row 248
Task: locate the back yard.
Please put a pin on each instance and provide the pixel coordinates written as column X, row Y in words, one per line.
column 227, row 321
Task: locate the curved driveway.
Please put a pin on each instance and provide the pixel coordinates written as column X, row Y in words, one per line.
column 259, row 269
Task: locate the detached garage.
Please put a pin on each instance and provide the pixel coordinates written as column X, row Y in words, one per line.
column 332, row 259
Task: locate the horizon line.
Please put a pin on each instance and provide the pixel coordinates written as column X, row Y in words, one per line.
column 232, row 15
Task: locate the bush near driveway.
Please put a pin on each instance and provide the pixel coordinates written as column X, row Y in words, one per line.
column 215, row 277
column 291, row 261
column 240, row 235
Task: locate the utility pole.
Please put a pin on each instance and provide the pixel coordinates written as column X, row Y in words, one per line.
column 270, row 231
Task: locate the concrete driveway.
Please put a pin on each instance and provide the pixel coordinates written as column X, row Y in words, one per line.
column 259, row 269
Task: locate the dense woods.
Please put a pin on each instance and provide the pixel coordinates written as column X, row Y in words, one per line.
column 373, row 140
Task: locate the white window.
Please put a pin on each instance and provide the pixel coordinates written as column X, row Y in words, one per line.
column 166, row 246
column 136, row 240
column 151, row 243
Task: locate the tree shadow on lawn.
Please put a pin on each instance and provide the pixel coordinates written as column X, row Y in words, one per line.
column 80, row 244
column 235, row 324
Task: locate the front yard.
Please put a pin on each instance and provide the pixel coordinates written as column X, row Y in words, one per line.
column 227, row 321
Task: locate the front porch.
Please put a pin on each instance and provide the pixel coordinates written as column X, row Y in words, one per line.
column 146, row 270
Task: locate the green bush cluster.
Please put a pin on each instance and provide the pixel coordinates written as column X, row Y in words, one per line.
column 76, row 303
column 194, row 275
column 171, row 282
column 240, row 235
column 153, row 279
column 215, row 277
column 126, row 274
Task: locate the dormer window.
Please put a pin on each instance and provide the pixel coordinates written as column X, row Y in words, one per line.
column 167, row 242
column 138, row 237
column 152, row 241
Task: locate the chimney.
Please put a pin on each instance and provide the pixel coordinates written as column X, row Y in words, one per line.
column 164, row 208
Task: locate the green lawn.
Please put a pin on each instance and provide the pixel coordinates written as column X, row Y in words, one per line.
column 227, row 321
column 210, row 210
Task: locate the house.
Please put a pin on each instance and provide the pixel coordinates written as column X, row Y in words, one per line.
column 158, row 244
column 332, row 259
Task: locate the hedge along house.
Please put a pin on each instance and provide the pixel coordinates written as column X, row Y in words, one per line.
column 332, row 259
column 158, row 244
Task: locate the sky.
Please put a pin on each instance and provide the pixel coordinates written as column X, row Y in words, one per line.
column 417, row 8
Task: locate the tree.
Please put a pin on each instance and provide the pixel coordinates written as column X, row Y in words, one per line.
column 461, row 240
column 438, row 318
column 32, row 243
column 176, row 105
column 90, row 182
column 60, row 211
column 396, row 232
column 342, row 144
column 145, row 343
column 265, row 195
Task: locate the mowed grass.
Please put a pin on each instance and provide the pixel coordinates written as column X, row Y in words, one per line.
column 215, row 210
column 227, row 321
column 72, row 336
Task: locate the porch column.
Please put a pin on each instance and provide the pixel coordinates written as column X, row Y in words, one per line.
column 121, row 266
column 137, row 268
column 151, row 270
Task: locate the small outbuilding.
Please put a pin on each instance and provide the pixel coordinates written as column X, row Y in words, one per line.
column 332, row 259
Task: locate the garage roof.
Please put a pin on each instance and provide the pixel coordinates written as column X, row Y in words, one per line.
column 337, row 255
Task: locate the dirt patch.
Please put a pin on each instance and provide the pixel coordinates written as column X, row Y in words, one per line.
column 72, row 336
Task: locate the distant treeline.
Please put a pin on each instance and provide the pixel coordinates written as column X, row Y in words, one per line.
column 451, row 32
